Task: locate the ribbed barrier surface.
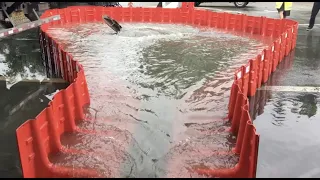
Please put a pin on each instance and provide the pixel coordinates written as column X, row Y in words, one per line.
column 40, row 137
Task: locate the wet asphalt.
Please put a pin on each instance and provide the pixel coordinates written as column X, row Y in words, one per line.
column 286, row 118
column 286, row 115
column 23, row 92
column 289, row 143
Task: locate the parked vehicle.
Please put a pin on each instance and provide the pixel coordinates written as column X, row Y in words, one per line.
column 237, row 4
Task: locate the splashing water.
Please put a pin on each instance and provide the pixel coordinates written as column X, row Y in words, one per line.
column 159, row 94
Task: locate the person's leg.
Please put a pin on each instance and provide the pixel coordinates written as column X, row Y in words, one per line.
column 286, row 14
column 314, row 12
column 281, row 14
column 281, row 11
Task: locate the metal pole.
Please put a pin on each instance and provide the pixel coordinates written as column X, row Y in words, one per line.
column 35, row 13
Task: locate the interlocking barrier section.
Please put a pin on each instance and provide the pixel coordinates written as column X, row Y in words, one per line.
column 40, row 137
column 259, row 101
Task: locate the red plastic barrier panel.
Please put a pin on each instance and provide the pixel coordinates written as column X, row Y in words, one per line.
column 247, row 144
column 40, row 137
column 260, row 63
column 279, row 27
column 252, row 24
column 216, row 20
column 268, row 27
column 253, row 76
column 199, row 17
column 234, row 22
column 240, row 101
column 265, row 58
column 36, row 140
column 283, row 44
column 275, row 55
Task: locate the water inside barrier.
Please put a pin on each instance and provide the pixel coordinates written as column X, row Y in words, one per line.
column 159, row 96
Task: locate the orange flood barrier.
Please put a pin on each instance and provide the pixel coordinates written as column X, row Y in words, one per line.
column 40, row 137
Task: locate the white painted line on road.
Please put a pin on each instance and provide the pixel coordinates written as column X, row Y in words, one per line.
column 213, row 9
column 291, row 88
column 308, row 24
column 270, row 11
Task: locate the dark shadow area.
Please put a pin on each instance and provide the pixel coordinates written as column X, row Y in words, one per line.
column 20, row 99
column 24, row 100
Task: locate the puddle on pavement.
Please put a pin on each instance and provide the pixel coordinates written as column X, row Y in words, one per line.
column 24, row 93
column 288, row 121
column 289, row 134
column 20, row 58
column 165, row 88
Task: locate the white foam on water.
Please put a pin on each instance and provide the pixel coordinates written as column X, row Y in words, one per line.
column 27, row 75
column 50, row 96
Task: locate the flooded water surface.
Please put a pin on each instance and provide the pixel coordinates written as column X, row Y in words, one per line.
column 159, row 95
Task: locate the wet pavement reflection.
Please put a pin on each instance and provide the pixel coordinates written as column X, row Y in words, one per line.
column 24, row 93
column 287, row 118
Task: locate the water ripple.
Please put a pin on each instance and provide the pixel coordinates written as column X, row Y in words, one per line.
column 167, row 85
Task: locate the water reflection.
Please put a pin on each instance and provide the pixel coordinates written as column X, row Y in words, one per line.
column 312, row 53
column 164, row 87
column 288, row 127
column 20, row 57
column 22, row 95
column 307, row 62
column 175, row 66
column 309, row 106
column 303, row 103
column 23, row 101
